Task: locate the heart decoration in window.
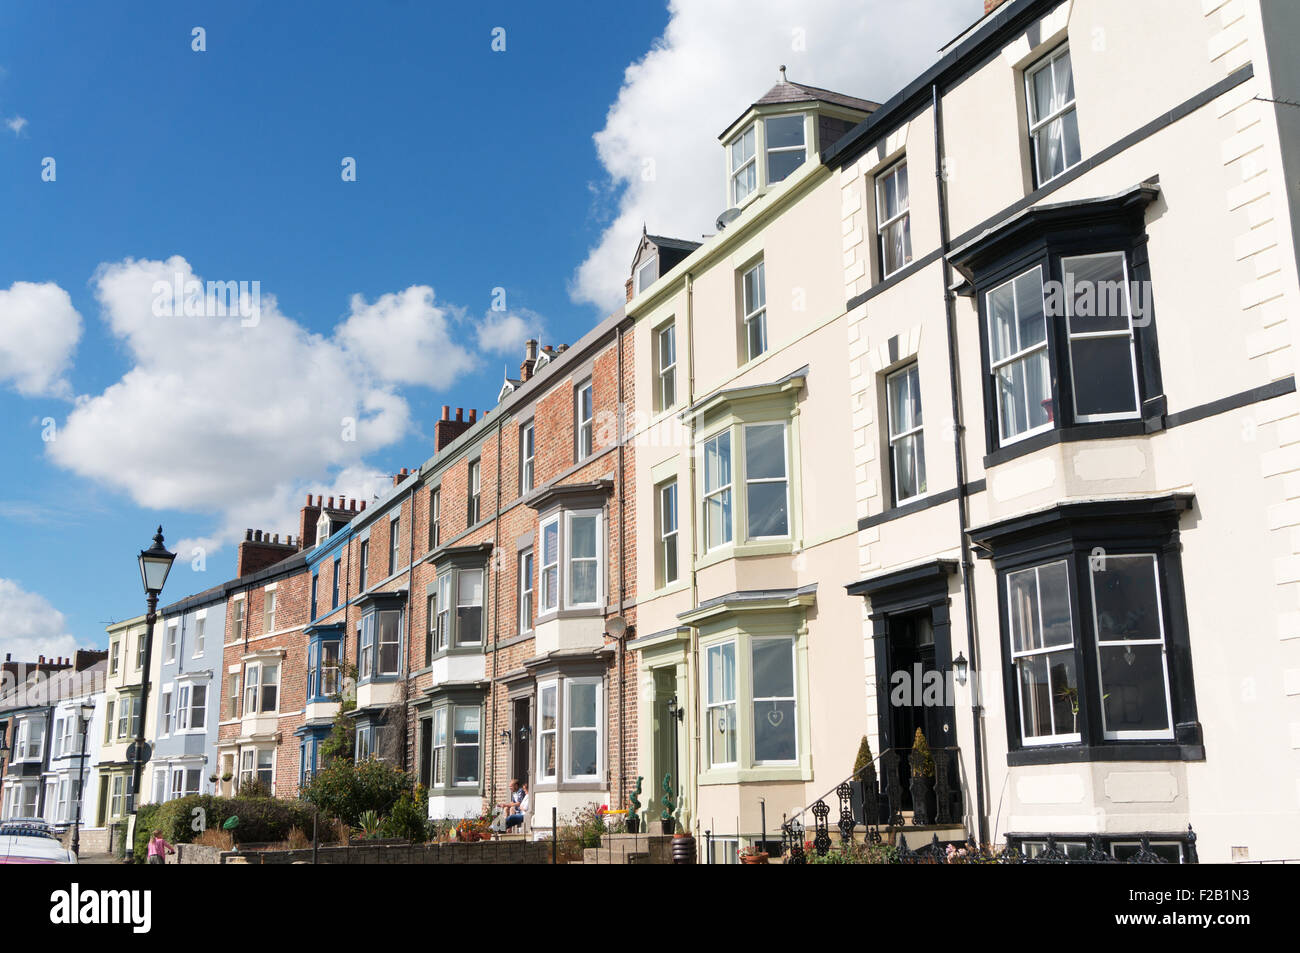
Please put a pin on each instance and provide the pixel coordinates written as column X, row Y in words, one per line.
column 775, row 717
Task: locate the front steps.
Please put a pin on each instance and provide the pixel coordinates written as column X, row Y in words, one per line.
column 631, row 849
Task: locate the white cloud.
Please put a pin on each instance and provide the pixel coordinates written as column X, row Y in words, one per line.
column 223, row 416
column 713, row 60
column 32, row 626
column 504, row 332
column 39, row 329
column 16, row 125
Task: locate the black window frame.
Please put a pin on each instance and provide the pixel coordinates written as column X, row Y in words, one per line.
column 1078, row 533
column 1041, row 237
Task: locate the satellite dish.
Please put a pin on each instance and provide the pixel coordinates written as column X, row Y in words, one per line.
column 726, row 218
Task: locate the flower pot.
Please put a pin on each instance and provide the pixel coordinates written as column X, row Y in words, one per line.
column 683, row 849
column 633, row 824
column 668, row 823
column 759, row 858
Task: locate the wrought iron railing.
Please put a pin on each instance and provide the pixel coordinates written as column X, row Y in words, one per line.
column 880, row 797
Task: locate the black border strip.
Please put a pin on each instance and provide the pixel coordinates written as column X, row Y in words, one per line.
column 1255, row 395
column 905, row 272
column 907, row 509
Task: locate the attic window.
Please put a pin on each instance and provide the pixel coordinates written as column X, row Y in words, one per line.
column 647, row 273
column 785, row 146
column 322, row 528
column 744, row 170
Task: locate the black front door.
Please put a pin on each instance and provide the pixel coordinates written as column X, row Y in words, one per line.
column 519, row 732
column 917, row 692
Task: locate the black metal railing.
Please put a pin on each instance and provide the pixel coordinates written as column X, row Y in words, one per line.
column 879, row 795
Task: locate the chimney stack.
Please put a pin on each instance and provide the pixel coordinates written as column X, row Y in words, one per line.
column 261, row 549
column 446, row 430
column 530, row 359
column 628, row 288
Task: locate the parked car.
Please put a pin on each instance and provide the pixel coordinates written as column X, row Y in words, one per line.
column 29, row 840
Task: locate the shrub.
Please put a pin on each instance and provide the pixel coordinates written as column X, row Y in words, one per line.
column 146, row 821
column 345, row 790
column 298, row 839
column 215, row 837
column 408, row 819
column 922, row 759
column 261, row 820
column 254, row 788
column 583, row 830
column 864, row 767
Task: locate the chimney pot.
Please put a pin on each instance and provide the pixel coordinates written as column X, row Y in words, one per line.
column 530, row 349
column 257, row 536
column 309, row 499
column 352, row 505
column 318, row 501
column 460, row 413
column 473, row 415
column 248, row 535
column 40, row 660
column 363, row 506
column 276, row 539
column 446, row 412
column 331, row 503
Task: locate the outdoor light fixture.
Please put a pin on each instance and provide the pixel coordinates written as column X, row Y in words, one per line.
column 505, row 736
column 155, row 564
column 961, row 665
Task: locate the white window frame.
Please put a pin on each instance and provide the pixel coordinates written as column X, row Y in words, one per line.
column 114, row 653
column 598, row 559
column 1126, row 332
column 669, row 532
column 667, row 365
column 1018, row 357
column 754, row 312
column 1016, row 655
column 711, row 703
column 477, row 745
column 461, row 574
column 1163, row 642
column 442, row 591
column 597, row 729
column 173, row 634
column 1031, row 104
column 552, row 688
column 913, row 437
column 550, row 571
column 722, row 492
column 527, row 456
column 783, row 479
column 755, row 699
column 475, row 492
column 751, row 160
column 585, row 426
column 525, row 600
column 258, row 686
column 903, row 215
column 394, row 544
column 168, row 711
column 438, row 761
column 435, row 517
column 200, row 634
column 769, row 150
column 268, row 610
column 641, row 284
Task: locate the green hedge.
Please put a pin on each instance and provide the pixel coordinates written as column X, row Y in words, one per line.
column 345, row 790
column 261, row 819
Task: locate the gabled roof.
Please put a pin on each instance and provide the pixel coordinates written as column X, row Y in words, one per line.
column 680, row 244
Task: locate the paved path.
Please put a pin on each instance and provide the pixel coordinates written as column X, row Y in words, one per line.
column 97, row 859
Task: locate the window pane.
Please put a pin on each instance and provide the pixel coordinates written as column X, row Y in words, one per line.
column 582, row 753
column 909, row 467
column 756, row 335
column 722, row 673
column 1133, row 687
column 1024, row 394
column 1099, row 294
column 582, row 537
column 896, row 244
column 1048, row 689
column 781, row 164
column 550, row 539
column 582, row 582
column 718, row 519
column 784, row 131
column 765, row 452
column 904, row 401
column 466, row 728
column 1103, row 376
column 774, row 731
column 767, row 510
column 717, row 462
column 773, row 668
column 722, row 734
column 1124, row 594
column 582, row 705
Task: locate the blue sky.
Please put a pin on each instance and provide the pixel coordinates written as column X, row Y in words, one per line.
column 476, row 170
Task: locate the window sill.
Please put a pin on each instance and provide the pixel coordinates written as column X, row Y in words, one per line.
column 779, row 547
column 679, row 585
column 1049, row 438
column 1132, row 751
column 756, row 774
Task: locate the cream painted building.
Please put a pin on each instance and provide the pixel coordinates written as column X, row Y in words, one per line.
column 1107, row 536
column 123, row 683
column 743, row 481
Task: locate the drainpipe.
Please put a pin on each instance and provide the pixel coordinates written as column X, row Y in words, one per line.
column 963, row 492
column 693, row 657
column 495, row 615
column 622, row 583
column 408, row 745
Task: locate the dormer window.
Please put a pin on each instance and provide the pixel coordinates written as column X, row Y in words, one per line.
column 646, row 274
column 744, row 170
column 785, row 146
column 322, row 528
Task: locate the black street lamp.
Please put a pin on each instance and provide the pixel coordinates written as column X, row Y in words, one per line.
column 87, row 710
column 155, row 564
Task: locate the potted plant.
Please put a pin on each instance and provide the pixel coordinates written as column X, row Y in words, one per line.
column 922, row 764
column 666, row 815
column 212, row 777
column 753, row 855
column 634, row 800
column 866, row 787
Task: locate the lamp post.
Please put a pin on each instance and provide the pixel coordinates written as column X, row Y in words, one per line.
column 87, row 710
column 155, row 564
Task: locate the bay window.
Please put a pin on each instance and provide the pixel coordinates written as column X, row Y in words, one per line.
column 439, row 747
column 1095, row 632
column 582, row 542
column 893, row 218
column 720, row 710
column 443, row 630
column 762, row 469
column 582, row 724
column 547, row 731
column 465, row 745
column 322, row 668
column 551, row 564
column 469, row 607
column 1053, row 122
column 717, row 491
column 257, row 764
column 772, row 668
column 906, row 443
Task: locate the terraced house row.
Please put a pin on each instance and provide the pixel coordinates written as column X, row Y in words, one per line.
column 976, row 416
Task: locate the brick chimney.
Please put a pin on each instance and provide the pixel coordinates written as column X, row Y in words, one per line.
column 446, row 430
column 259, row 550
column 530, row 359
column 628, row 285
column 310, row 513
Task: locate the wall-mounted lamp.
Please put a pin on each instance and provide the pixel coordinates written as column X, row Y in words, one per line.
column 962, row 667
column 505, row 736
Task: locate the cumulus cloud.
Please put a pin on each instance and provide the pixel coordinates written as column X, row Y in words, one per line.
column 16, row 125
column 39, row 330
column 238, row 417
column 32, row 626
column 504, row 332
column 659, row 146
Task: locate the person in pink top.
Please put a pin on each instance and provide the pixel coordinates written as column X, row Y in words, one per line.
column 159, row 848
